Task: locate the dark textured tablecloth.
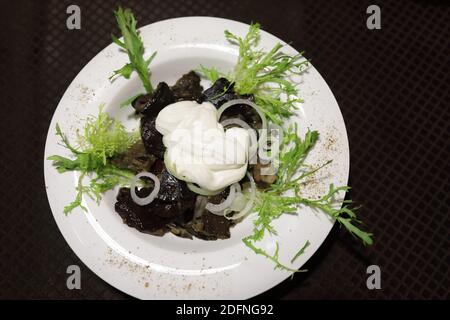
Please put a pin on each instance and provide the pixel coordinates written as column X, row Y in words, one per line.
column 392, row 86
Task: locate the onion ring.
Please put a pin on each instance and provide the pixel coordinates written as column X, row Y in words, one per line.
column 148, row 199
column 218, row 209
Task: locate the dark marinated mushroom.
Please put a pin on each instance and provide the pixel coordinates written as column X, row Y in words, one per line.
column 206, row 225
column 135, row 159
column 176, row 209
column 151, row 138
column 210, row 227
column 158, row 166
column 140, row 101
column 188, row 87
column 220, row 197
column 154, row 217
column 152, row 104
column 179, row 231
column 216, row 225
column 263, row 180
column 173, row 189
column 137, row 216
column 221, row 92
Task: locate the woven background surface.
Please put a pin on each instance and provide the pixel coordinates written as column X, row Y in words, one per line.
column 392, row 86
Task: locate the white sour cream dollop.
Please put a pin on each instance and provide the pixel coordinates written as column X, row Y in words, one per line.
column 199, row 150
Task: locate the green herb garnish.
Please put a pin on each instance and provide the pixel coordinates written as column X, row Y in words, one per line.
column 266, row 75
column 102, row 139
column 211, row 73
column 133, row 45
column 292, row 172
column 301, row 251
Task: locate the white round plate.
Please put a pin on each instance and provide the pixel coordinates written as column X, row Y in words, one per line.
column 150, row 267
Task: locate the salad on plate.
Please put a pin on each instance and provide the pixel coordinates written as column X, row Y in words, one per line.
column 204, row 159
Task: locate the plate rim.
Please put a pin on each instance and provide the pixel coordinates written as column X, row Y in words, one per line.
column 50, row 132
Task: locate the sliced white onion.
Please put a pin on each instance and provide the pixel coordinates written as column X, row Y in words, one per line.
column 249, row 206
column 148, row 199
column 239, row 203
column 238, row 187
column 200, row 204
column 202, row 191
column 246, row 102
column 219, row 208
column 263, row 131
column 253, row 147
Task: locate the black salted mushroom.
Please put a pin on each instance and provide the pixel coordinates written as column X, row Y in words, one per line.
column 263, row 179
column 216, row 224
column 140, row 217
column 151, row 137
column 135, row 159
column 221, row 92
column 174, row 204
column 209, row 226
column 152, row 103
column 188, row 87
column 176, row 209
column 149, row 105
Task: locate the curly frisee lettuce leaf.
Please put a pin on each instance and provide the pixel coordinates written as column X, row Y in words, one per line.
column 272, row 203
column 268, row 77
column 134, row 47
column 265, row 75
column 102, row 138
